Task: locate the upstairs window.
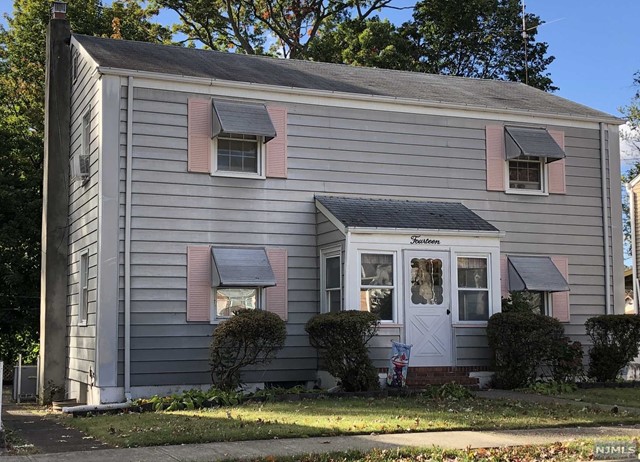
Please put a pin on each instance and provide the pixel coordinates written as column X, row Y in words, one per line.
column 238, row 153
column 528, row 151
column 526, row 173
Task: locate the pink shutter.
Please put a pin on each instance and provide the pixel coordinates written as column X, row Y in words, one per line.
column 199, row 135
column 276, row 297
column 504, row 276
column 277, row 147
column 560, row 300
column 198, row 283
column 557, row 173
column 495, row 157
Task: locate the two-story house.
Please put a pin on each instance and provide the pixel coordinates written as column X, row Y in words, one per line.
column 182, row 184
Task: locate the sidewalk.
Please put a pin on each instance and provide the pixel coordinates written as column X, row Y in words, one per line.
column 57, row 443
column 299, row 446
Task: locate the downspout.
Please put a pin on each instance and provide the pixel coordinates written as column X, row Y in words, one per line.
column 127, row 245
column 605, row 220
column 631, row 196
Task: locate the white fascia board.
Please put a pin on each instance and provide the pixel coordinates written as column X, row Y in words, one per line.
column 331, row 217
column 296, row 95
column 78, row 46
column 634, row 182
column 435, row 232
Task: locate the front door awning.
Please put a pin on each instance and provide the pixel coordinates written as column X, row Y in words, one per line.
column 242, row 118
column 532, row 142
column 241, row 267
column 535, row 274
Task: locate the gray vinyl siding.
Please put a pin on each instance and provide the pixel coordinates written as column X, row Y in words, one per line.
column 83, row 228
column 330, row 151
column 471, row 346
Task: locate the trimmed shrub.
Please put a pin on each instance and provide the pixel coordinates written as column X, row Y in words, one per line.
column 523, row 342
column 615, row 338
column 565, row 360
column 250, row 337
column 341, row 339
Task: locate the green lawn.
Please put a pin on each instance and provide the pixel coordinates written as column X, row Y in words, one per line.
column 620, row 396
column 327, row 417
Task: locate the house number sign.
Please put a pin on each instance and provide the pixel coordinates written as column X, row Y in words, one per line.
column 418, row 239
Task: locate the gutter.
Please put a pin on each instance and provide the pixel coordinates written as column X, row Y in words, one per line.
column 434, row 232
column 127, row 245
column 605, row 221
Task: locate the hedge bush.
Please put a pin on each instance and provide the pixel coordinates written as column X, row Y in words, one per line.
column 250, row 337
column 615, row 343
column 523, row 343
column 341, row 339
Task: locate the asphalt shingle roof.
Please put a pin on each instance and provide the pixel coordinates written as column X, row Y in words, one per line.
column 387, row 213
column 431, row 88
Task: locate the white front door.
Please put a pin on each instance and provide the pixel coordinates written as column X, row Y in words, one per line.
column 427, row 300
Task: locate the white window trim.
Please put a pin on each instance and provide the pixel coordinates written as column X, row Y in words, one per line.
column 261, row 174
column 490, row 288
column 83, row 300
column 394, row 298
column 548, row 299
column 213, row 309
column 330, row 252
column 529, row 192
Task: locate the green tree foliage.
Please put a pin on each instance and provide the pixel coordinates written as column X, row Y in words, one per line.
column 249, row 26
column 22, row 80
column 632, row 114
column 474, row 38
column 369, row 43
column 479, row 38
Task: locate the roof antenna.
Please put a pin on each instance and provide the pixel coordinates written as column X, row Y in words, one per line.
column 525, row 36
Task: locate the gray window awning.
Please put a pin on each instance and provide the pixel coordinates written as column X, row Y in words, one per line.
column 535, row 274
column 242, row 118
column 533, row 142
column 241, row 267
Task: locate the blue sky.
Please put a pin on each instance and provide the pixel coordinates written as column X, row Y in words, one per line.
column 596, row 45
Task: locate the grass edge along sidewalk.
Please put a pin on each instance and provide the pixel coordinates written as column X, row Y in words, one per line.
column 335, row 417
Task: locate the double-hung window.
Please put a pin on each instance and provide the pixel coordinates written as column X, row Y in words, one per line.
column 239, row 134
column 527, row 173
column 331, row 280
column 237, row 153
column 377, row 285
column 473, row 288
column 528, row 151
